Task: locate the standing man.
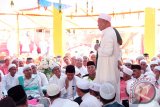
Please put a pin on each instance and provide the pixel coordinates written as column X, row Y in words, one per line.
column 108, row 54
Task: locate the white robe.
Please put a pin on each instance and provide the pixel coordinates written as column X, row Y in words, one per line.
column 108, row 54
column 107, row 64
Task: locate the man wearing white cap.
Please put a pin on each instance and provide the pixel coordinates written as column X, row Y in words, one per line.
column 94, row 89
column 108, row 94
column 128, row 63
column 8, row 80
column 53, row 92
column 127, row 73
column 139, row 58
column 145, row 68
column 108, row 53
column 57, row 78
column 42, row 76
column 31, row 83
column 88, row 100
column 153, row 64
column 80, row 66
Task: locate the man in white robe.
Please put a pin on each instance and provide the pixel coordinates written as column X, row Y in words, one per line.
column 58, row 78
column 41, row 75
column 108, row 54
column 9, row 80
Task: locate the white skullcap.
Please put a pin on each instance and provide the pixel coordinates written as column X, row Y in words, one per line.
column 69, row 103
column 105, row 17
column 128, row 61
column 140, row 57
column 153, row 63
column 79, row 57
column 94, row 86
column 11, row 65
column 83, row 84
column 143, row 61
column 54, row 65
column 53, row 89
column 157, row 68
column 32, row 64
column 107, row 91
column 127, row 70
column 26, row 67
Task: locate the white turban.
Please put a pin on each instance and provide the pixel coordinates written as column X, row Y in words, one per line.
column 54, row 65
column 83, row 84
column 53, row 89
column 26, row 67
column 127, row 70
column 32, row 64
column 143, row 61
column 105, row 17
column 140, row 57
column 11, row 65
column 107, row 91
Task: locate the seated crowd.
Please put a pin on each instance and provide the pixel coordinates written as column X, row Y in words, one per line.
column 71, row 83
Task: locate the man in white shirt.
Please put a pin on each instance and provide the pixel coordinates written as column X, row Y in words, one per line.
column 79, row 65
column 57, row 78
column 88, row 100
column 31, row 83
column 9, row 80
column 41, row 75
column 70, row 83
